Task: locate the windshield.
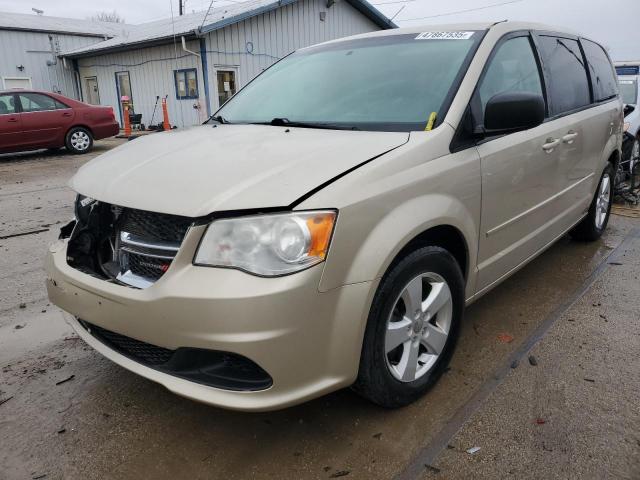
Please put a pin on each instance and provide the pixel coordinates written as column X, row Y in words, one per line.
column 629, row 91
column 391, row 83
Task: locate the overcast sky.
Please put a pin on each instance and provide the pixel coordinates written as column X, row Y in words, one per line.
column 615, row 23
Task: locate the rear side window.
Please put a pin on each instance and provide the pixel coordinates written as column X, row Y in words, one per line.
column 7, row 104
column 513, row 68
column 36, row 102
column 603, row 75
column 568, row 85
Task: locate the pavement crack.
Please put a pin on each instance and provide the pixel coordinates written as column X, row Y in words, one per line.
column 22, row 234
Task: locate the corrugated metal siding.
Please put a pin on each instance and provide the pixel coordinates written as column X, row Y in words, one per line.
column 32, row 50
column 273, row 35
column 151, row 73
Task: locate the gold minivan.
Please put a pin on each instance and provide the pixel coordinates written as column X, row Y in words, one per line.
column 328, row 225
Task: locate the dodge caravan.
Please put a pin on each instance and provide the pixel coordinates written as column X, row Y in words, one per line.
column 328, row 225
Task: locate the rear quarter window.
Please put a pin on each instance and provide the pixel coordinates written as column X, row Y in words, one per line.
column 568, row 87
column 603, row 77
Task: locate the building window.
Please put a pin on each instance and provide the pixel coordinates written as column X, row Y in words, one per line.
column 226, row 85
column 186, row 83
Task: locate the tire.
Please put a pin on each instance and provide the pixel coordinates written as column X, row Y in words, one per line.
column 594, row 224
column 381, row 377
column 78, row 140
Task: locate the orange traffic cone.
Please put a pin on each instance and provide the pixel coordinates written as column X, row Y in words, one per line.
column 165, row 115
column 127, row 121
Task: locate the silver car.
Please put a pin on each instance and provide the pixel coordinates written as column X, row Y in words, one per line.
column 328, row 225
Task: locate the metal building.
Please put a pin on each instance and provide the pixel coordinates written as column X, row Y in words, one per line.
column 30, row 46
column 198, row 61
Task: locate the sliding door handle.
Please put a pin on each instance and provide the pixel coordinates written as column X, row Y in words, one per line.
column 551, row 144
column 570, row 137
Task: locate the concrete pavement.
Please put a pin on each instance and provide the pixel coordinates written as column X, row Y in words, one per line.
column 108, row 423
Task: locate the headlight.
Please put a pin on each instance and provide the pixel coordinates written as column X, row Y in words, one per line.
column 268, row 245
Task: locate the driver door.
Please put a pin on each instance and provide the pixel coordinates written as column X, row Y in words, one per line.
column 520, row 171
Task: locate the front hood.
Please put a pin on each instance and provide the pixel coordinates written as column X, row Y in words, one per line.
column 231, row 167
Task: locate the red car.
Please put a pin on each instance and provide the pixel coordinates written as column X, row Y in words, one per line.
column 31, row 119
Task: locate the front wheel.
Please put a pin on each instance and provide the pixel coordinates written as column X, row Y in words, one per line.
column 412, row 328
column 79, row 140
column 593, row 225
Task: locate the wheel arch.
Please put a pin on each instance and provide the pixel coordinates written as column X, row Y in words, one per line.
column 444, row 236
column 614, row 159
column 79, row 125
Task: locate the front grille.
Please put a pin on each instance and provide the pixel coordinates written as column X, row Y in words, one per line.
column 155, row 227
column 147, row 267
column 143, row 352
column 146, row 245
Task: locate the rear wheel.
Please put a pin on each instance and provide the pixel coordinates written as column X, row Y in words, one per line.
column 593, row 225
column 412, row 328
column 79, row 140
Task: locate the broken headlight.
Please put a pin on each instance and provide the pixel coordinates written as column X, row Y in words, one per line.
column 82, row 208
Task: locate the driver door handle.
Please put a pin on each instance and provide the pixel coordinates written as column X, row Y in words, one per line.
column 569, row 137
column 551, row 144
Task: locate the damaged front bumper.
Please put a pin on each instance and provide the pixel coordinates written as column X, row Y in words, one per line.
column 307, row 343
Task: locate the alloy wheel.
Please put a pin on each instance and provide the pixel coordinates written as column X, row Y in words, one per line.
column 603, row 200
column 418, row 327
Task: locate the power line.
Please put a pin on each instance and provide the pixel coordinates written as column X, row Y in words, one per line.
column 461, row 11
column 206, row 14
column 401, row 8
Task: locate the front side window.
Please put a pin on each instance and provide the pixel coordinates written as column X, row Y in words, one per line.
column 35, row 102
column 629, row 91
column 513, row 68
column 603, row 77
column 568, row 87
column 391, row 83
column 186, row 83
column 7, row 104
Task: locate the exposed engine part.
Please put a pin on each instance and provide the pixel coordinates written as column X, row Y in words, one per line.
column 129, row 246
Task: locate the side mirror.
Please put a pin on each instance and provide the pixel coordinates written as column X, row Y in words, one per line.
column 513, row 111
column 629, row 109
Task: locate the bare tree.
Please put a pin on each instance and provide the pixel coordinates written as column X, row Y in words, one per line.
column 112, row 17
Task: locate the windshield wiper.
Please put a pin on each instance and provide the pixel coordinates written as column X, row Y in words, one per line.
column 285, row 122
column 219, row 118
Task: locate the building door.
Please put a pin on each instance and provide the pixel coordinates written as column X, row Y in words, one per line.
column 123, row 86
column 226, row 85
column 91, row 87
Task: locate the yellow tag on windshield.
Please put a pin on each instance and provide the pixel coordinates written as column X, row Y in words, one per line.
column 432, row 120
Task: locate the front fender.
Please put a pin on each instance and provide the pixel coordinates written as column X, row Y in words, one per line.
column 391, row 233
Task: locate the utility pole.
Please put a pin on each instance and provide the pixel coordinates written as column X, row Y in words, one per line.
column 181, row 7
